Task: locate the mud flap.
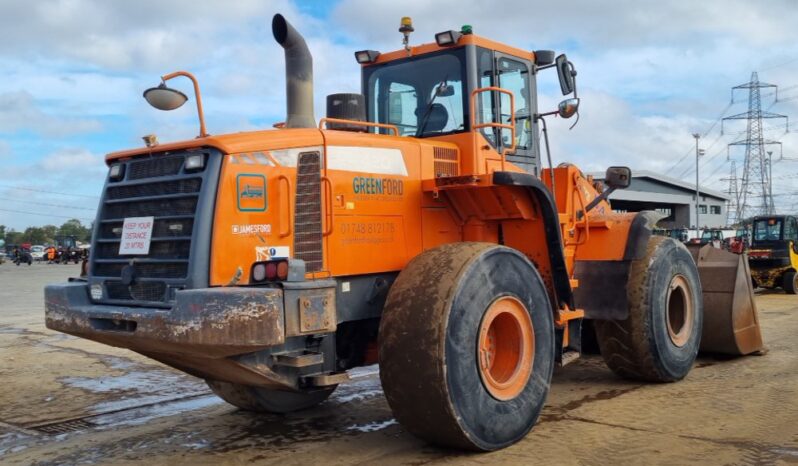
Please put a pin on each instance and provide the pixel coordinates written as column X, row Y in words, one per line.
column 731, row 323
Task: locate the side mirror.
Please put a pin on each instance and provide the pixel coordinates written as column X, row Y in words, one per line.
column 544, row 57
column 165, row 98
column 445, row 91
column 568, row 107
column 615, row 178
column 618, row 177
column 565, row 73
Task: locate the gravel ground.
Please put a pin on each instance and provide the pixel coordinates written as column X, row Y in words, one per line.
column 69, row 401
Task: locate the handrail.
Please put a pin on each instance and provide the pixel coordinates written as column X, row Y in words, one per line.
column 328, row 232
column 280, row 179
column 359, row 123
column 493, row 124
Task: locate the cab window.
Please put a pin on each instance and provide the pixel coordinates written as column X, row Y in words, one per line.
column 423, row 96
column 514, row 76
column 791, row 230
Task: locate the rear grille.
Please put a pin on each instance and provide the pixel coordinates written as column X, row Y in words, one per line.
column 191, row 185
column 307, row 222
column 140, row 291
column 165, row 227
column 153, row 187
column 159, row 207
column 160, row 166
column 114, row 270
column 447, row 162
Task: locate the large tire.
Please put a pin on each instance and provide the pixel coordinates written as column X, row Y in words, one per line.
column 264, row 400
column 659, row 340
column 790, row 282
column 466, row 346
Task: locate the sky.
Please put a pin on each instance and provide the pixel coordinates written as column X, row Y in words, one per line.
column 650, row 74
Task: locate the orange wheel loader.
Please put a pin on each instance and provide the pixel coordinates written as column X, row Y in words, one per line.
column 414, row 226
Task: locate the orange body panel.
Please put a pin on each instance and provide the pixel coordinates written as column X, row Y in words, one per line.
column 378, row 216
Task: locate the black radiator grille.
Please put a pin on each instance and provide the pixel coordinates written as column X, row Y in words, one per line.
column 163, row 227
column 156, row 187
column 307, row 222
column 191, row 185
column 140, row 291
column 158, row 207
column 159, row 166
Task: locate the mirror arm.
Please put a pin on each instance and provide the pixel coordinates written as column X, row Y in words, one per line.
column 190, row 76
column 601, row 197
column 539, row 117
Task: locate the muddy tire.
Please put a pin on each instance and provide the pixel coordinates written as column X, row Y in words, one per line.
column 264, row 400
column 659, row 340
column 790, row 282
column 466, row 346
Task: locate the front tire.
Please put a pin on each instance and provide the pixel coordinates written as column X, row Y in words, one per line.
column 790, row 282
column 264, row 400
column 467, row 346
column 659, row 340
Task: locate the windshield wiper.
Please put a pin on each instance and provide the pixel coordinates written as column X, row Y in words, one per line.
column 428, row 109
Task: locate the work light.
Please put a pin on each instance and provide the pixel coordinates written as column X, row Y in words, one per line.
column 195, row 162
column 117, row 172
column 446, row 38
column 366, row 56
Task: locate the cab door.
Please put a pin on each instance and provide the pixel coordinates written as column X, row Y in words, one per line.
column 515, row 75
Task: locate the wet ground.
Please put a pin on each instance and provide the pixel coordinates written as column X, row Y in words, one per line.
column 68, row 401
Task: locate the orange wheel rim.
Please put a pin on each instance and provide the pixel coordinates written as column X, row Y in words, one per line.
column 506, row 348
column 679, row 306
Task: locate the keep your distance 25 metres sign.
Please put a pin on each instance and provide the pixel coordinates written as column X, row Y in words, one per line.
column 136, row 235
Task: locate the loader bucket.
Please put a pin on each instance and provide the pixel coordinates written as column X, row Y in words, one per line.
column 731, row 323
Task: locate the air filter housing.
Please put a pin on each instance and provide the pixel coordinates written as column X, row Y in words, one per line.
column 346, row 107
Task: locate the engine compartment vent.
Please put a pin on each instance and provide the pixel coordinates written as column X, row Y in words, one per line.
column 447, row 162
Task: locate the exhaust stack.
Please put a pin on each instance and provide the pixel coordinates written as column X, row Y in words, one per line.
column 298, row 74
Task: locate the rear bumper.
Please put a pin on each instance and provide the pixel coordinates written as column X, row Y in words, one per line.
column 207, row 323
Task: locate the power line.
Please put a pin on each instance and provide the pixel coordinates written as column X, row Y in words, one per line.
column 70, row 217
column 47, row 204
column 47, row 192
column 711, row 127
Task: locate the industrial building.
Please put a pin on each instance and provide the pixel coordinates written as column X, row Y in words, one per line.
column 672, row 197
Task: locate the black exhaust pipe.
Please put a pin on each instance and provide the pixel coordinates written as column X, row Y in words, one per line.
column 298, row 74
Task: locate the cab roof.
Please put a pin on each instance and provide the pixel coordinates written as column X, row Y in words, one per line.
column 466, row 39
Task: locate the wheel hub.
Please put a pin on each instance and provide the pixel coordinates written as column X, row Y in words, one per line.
column 506, row 348
column 679, row 305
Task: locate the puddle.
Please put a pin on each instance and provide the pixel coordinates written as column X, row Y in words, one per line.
column 373, row 426
column 140, row 386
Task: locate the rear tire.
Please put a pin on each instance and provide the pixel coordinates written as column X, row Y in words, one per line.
column 467, row 346
column 265, row 400
column 790, row 282
column 659, row 340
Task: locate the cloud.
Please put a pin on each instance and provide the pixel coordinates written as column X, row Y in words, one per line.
column 20, row 112
column 623, row 23
column 650, row 73
column 146, row 34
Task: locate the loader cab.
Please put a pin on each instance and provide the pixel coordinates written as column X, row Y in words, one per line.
column 773, row 256
column 429, row 93
column 768, row 230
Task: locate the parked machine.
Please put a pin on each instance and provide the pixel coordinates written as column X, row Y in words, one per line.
column 21, row 255
column 67, row 249
column 415, row 226
column 774, row 252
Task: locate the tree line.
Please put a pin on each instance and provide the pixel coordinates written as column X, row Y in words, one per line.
column 46, row 234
